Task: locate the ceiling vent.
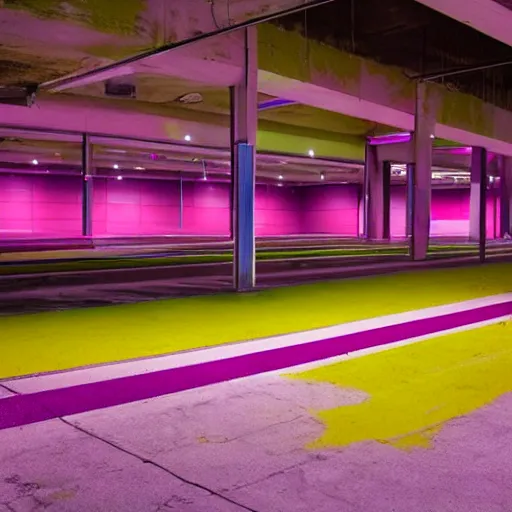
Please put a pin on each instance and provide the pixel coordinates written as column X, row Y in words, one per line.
column 14, row 95
column 117, row 88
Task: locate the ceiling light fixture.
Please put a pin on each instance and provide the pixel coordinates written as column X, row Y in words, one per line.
column 311, row 153
column 187, row 138
column 34, row 162
column 139, row 168
column 119, row 178
column 322, row 176
column 280, row 177
column 204, row 170
column 115, row 166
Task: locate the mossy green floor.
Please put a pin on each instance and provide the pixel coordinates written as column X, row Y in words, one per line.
column 64, row 339
column 196, row 259
column 414, row 390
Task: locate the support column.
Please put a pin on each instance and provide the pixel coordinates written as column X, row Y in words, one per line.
column 377, row 178
column 424, row 124
column 410, row 200
column 478, row 196
column 505, row 196
column 180, row 220
column 244, row 121
column 87, row 186
column 386, row 200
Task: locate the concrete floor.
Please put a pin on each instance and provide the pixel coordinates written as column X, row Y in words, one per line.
column 243, row 446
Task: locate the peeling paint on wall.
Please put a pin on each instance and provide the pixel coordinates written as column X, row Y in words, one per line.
column 107, row 16
column 465, row 112
column 328, row 67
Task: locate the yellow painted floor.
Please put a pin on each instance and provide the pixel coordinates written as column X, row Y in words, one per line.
column 65, row 339
column 412, row 391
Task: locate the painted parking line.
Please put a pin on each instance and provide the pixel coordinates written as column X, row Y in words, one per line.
column 44, row 405
column 86, row 375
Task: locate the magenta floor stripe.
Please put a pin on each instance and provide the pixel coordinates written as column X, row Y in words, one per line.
column 34, row 407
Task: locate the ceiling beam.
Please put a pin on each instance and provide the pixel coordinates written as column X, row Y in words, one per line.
column 98, row 74
column 486, row 16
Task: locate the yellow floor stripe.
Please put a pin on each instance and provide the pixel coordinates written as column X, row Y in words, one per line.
column 415, row 389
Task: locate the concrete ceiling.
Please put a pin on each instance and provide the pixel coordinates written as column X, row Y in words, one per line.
column 34, row 153
column 505, row 3
column 413, row 37
column 41, row 40
column 166, row 91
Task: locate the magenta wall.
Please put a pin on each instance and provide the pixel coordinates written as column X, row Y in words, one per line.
column 135, row 207
column 450, row 213
column 330, row 209
column 39, row 205
column 398, row 211
column 50, row 206
column 278, row 210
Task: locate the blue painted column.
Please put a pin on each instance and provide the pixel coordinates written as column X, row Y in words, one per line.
column 244, row 121
column 478, row 199
column 424, row 126
column 87, row 186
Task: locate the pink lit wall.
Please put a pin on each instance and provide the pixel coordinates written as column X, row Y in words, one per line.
column 50, row 206
column 277, row 210
column 450, row 213
column 331, row 210
column 135, row 207
column 398, row 211
column 40, row 206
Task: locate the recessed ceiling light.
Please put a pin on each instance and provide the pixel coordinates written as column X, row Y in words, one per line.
column 188, row 138
column 119, row 178
column 322, row 176
column 115, row 166
column 311, row 153
column 139, row 168
column 34, row 162
column 432, row 136
column 280, row 177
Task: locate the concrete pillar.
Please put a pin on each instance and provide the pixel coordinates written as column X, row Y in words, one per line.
column 424, row 125
column 244, row 121
column 87, row 186
column 505, row 196
column 478, row 196
column 386, row 200
column 410, row 200
column 377, row 178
